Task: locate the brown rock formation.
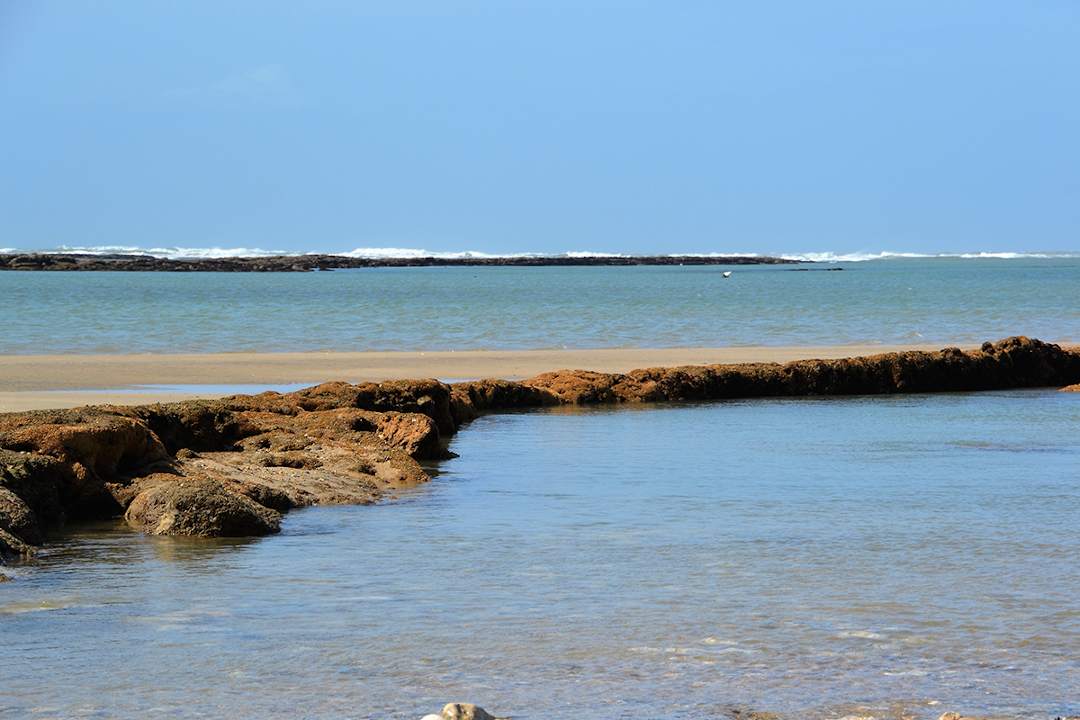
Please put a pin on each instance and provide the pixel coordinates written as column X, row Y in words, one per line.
column 199, row 507
column 305, row 263
column 12, row 547
column 231, row 466
column 219, row 467
column 1012, row 363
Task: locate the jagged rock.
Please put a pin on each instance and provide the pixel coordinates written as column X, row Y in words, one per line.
column 416, row 434
column 13, row 547
column 469, row 399
column 39, row 481
column 193, row 425
column 94, row 444
column 427, row 397
column 17, row 518
column 199, row 508
column 271, row 497
column 578, row 387
column 1071, row 388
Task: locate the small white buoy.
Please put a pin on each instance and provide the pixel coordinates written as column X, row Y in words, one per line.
column 727, row 273
column 432, row 716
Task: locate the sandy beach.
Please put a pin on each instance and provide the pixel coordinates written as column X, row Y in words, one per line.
column 33, row 382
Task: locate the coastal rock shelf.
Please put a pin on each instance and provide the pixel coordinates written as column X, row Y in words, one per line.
column 231, row 467
column 306, row 263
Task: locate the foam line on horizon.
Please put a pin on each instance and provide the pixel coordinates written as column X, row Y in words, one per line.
column 188, row 253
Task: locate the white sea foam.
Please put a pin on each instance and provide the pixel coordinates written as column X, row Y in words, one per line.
column 376, row 253
column 862, row 634
column 166, row 252
column 590, row 254
column 887, row 255
column 393, row 253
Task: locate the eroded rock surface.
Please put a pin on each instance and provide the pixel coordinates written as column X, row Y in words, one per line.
column 231, row 466
column 216, row 467
column 199, row 507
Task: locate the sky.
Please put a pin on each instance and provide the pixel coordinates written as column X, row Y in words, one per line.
column 550, row 126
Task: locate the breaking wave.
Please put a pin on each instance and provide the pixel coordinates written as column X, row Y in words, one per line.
column 864, row 256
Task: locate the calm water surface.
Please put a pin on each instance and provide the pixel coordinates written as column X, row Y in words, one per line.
column 946, row 300
column 817, row 558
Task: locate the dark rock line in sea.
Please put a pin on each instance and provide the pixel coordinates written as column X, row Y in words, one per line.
column 307, row 263
column 231, row 467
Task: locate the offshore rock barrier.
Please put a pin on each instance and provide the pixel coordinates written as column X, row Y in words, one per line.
column 306, row 263
column 231, row 467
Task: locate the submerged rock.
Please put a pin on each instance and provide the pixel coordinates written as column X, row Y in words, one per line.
column 466, row 711
column 743, row 714
column 11, row 547
column 200, row 508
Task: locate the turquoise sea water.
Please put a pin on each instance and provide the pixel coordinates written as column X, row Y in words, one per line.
column 939, row 300
column 848, row 557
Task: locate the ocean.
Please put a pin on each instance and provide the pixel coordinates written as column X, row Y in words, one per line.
column 821, row 558
column 878, row 557
column 890, row 301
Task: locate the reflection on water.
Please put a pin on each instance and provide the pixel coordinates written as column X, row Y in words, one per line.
column 881, row 557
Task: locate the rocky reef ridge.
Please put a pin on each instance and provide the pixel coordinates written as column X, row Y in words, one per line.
column 306, row 263
column 231, row 467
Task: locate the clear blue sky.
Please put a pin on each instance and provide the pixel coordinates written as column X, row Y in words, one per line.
column 542, row 126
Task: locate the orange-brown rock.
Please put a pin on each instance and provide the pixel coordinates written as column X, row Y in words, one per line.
column 276, row 451
column 469, row 399
column 1071, row 388
column 1011, row 363
column 232, row 465
column 201, row 508
column 427, row 397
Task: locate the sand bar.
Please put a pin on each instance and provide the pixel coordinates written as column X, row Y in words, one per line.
column 29, row 382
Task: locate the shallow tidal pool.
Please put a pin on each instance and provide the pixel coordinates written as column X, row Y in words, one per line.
column 884, row 556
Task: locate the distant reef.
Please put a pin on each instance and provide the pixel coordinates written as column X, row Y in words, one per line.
column 231, row 467
column 308, row 263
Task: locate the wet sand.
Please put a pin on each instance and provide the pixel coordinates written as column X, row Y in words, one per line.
column 29, row 382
